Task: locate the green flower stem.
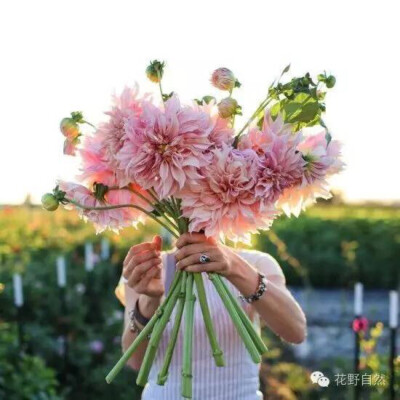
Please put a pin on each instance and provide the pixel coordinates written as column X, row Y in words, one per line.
column 156, row 337
column 248, row 342
column 190, row 298
column 157, row 205
column 88, row 123
column 201, row 293
column 259, row 343
column 144, row 333
column 133, row 347
column 103, row 208
column 163, row 374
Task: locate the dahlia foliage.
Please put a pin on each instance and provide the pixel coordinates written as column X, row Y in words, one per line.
column 189, row 169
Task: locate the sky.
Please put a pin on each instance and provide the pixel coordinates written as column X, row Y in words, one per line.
column 63, row 56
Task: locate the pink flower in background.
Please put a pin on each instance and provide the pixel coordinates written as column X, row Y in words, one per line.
column 223, row 202
column 165, row 148
column 113, row 219
column 360, row 324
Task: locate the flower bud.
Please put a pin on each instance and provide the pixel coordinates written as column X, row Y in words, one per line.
column 223, row 79
column 330, row 81
column 227, row 107
column 155, row 71
column 49, row 202
column 69, row 128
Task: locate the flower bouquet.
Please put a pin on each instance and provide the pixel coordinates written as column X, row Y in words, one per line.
column 188, row 169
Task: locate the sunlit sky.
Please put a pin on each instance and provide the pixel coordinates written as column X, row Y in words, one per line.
column 61, row 56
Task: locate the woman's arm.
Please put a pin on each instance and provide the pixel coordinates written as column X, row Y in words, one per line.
column 276, row 307
column 142, row 269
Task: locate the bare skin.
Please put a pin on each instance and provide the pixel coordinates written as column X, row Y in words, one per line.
column 142, row 268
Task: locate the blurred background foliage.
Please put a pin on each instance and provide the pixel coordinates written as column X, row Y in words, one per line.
column 71, row 337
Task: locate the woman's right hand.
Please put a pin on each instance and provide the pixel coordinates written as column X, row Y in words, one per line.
column 142, row 268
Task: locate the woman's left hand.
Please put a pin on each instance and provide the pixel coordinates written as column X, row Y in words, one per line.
column 191, row 246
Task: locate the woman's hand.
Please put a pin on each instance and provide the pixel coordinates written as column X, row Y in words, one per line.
column 192, row 245
column 142, row 268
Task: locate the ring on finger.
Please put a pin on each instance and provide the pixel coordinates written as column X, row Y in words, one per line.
column 204, row 259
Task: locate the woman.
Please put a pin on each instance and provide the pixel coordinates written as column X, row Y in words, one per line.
column 147, row 274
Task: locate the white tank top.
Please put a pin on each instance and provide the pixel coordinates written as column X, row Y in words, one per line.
column 239, row 378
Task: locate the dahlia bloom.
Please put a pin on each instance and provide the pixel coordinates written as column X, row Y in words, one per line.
column 164, row 149
column 223, row 202
column 282, row 167
column 221, row 131
column 322, row 160
column 260, row 140
column 94, row 164
column 113, row 219
column 125, row 106
column 281, row 163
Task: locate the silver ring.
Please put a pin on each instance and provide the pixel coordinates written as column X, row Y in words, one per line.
column 204, row 259
column 124, row 280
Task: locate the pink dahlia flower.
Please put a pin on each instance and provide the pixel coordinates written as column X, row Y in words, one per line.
column 95, row 167
column 281, row 163
column 223, row 202
column 260, row 140
column 282, row 168
column 113, row 219
column 221, row 131
column 126, row 106
column 164, row 149
column 322, row 160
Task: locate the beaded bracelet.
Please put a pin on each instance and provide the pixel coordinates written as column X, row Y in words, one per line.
column 262, row 287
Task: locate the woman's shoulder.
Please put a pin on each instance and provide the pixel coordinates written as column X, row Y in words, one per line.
column 264, row 262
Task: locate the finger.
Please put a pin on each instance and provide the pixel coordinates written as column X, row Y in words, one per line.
column 137, row 273
column 195, row 259
column 209, row 267
column 157, row 241
column 188, row 238
column 190, row 249
column 150, row 274
column 139, row 259
column 138, row 248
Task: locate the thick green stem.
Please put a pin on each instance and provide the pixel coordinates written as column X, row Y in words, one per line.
column 201, row 293
column 248, row 342
column 143, row 334
column 259, row 343
column 163, row 374
column 188, row 339
column 156, row 337
column 157, row 205
column 133, row 347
